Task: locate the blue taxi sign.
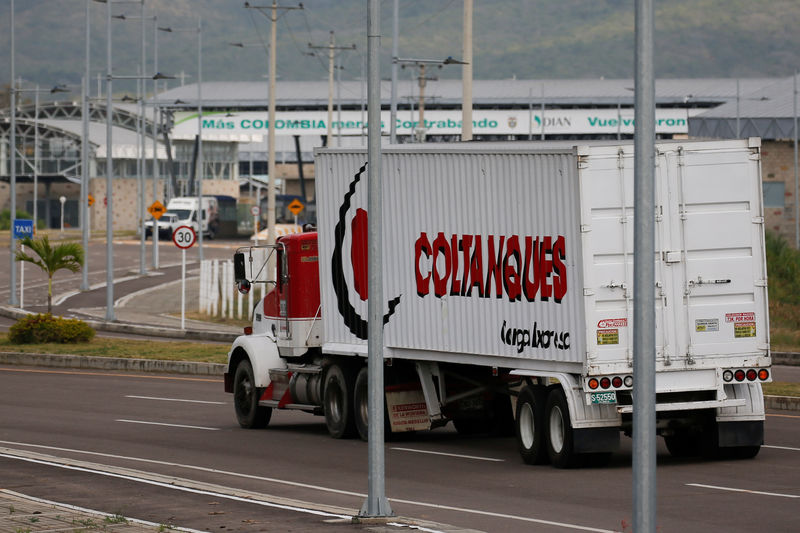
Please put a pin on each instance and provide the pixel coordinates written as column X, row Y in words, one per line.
column 23, row 228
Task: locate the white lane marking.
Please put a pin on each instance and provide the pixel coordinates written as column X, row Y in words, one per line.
column 173, row 399
column 781, row 448
column 94, row 512
column 163, row 424
column 450, row 454
column 315, row 487
column 176, row 487
column 748, row 491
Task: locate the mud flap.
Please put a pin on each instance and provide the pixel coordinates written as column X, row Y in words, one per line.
column 743, row 433
column 596, row 440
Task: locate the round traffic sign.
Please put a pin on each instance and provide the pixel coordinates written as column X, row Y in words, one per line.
column 255, row 210
column 184, row 237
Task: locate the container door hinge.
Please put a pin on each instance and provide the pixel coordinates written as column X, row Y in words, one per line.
column 588, row 292
column 760, row 283
column 586, row 228
column 758, row 220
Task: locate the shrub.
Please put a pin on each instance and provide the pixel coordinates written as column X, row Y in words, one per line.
column 38, row 329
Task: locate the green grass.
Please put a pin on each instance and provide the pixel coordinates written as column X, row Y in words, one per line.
column 781, row 388
column 783, row 271
column 113, row 347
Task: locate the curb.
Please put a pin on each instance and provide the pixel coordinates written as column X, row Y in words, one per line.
column 91, row 362
column 783, row 403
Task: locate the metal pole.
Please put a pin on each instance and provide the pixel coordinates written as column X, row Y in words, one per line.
column 466, row 73
column 644, row 408
column 273, row 46
column 421, row 125
column 109, row 174
column 796, row 180
column 395, row 48
column 12, row 147
column 331, row 44
column 36, row 154
column 339, row 102
column 84, row 202
column 542, row 113
column 155, row 140
column 141, row 127
column 199, row 174
column 376, row 504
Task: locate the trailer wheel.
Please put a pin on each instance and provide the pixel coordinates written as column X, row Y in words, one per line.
column 338, row 393
column 245, row 399
column 361, row 403
column 530, row 426
column 683, row 444
column 559, row 430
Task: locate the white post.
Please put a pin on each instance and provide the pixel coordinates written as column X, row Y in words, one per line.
column 22, row 280
column 183, row 288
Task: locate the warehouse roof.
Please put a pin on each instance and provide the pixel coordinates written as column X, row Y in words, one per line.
column 701, row 92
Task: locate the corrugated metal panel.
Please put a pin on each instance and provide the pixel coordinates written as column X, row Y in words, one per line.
column 446, row 199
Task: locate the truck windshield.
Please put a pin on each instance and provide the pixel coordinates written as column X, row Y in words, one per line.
column 182, row 214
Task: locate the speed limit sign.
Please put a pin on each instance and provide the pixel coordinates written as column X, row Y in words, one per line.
column 184, row 237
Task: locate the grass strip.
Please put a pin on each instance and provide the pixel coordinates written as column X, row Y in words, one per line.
column 129, row 349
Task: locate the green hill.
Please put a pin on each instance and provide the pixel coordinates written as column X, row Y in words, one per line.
column 513, row 38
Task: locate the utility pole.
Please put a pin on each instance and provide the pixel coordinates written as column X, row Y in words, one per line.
column 331, row 47
column 421, row 64
column 273, row 46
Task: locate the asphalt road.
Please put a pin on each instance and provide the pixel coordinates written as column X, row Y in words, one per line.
column 185, row 428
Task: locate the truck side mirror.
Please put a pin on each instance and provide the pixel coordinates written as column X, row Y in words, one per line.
column 239, row 270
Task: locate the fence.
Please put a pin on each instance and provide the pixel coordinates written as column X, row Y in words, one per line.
column 218, row 294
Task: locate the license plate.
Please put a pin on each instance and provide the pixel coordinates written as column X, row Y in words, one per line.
column 604, row 397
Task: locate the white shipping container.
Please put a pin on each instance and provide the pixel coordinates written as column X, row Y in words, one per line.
column 521, row 255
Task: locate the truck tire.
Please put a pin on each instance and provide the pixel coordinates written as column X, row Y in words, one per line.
column 683, row 444
column 338, row 392
column 558, row 429
column 245, row 399
column 361, row 408
column 361, row 403
column 530, row 426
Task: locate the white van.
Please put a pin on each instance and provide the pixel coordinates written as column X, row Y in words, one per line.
column 182, row 211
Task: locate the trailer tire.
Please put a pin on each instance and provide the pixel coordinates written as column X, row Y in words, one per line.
column 558, row 428
column 361, row 403
column 245, row 399
column 683, row 444
column 338, row 393
column 530, row 426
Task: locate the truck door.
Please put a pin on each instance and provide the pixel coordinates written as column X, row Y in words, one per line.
column 714, row 277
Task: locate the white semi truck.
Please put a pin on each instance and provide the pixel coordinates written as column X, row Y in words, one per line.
column 508, row 276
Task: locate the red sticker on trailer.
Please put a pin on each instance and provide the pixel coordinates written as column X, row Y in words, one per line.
column 740, row 317
column 613, row 323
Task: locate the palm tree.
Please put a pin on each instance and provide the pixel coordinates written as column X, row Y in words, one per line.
column 51, row 259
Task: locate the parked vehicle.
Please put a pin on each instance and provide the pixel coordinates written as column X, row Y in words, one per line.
column 182, row 211
column 508, row 273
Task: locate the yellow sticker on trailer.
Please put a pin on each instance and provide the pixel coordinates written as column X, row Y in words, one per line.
column 607, row 336
column 744, row 329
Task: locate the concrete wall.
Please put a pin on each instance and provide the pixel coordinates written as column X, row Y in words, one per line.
column 777, row 166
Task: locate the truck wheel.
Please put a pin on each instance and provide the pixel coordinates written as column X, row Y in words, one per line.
column 559, row 430
column 338, row 402
column 361, row 408
column 530, row 426
column 245, row 399
column 360, row 403
column 683, row 444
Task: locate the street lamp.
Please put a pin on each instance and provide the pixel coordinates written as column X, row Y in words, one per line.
column 199, row 163
column 36, row 92
column 12, row 147
column 140, row 137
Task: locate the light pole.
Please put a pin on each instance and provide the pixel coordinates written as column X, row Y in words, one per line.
column 12, row 147
column 141, row 136
column 199, row 164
